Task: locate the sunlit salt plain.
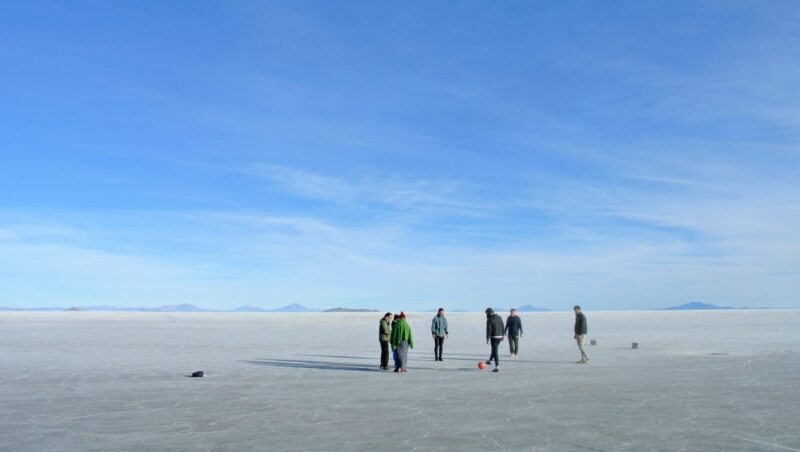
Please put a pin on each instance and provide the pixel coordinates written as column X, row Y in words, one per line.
column 709, row 380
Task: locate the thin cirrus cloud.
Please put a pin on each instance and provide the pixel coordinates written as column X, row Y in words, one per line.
column 355, row 187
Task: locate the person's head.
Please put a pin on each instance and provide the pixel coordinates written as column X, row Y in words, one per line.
column 513, row 312
column 577, row 309
column 388, row 316
column 489, row 312
column 402, row 316
column 440, row 312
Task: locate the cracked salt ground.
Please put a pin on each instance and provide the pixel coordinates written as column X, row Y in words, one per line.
column 102, row 381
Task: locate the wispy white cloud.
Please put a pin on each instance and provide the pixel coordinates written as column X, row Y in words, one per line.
column 388, row 190
column 238, row 257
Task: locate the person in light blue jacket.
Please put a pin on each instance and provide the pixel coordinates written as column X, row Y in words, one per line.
column 439, row 332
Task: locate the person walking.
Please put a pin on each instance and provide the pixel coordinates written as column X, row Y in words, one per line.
column 580, row 333
column 494, row 334
column 384, row 335
column 402, row 341
column 513, row 331
column 439, row 332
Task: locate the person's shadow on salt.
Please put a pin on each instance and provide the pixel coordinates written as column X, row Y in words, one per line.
column 319, row 365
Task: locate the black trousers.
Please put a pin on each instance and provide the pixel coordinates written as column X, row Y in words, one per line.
column 438, row 345
column 495, row 344
column 384, row 354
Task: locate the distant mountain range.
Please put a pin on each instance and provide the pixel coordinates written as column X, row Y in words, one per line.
column 294, row 307
column 184, row 307
column 695, row 306
column 350, row 310
column 523, row 308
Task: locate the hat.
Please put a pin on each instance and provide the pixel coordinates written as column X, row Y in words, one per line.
column 489, row 311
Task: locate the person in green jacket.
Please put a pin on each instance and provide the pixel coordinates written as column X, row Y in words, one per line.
column 384, row 335
column 439, row 332
column 402, row 341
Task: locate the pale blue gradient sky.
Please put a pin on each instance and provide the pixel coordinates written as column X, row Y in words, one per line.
column 620, row 155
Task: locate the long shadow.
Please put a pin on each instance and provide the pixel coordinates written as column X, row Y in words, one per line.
column 345, row 357
column 319, row 365
column 329, row 365
column 502, row 359
column 479, row 357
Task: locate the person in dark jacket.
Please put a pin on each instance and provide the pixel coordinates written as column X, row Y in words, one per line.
column 580, row 333
column 513, row 331
column 439, row 332
column 396, row 317
column 384, row 334
column 495, row 332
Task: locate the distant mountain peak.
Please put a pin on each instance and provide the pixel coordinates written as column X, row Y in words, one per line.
column 183, row 307
column 695, row 306
column 295, row 307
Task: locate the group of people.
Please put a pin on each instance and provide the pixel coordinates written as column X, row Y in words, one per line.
column 395, row 334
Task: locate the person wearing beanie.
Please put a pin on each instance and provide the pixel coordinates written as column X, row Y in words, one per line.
column 439, row 332
column 384, row 334
column 495, row 331
column 402, row 341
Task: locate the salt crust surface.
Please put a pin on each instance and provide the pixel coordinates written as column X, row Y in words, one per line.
column 701, row 380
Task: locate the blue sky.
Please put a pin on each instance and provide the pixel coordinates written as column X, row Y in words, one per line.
column 620, row 155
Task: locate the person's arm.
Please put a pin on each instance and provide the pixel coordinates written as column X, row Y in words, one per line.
column 433, row 327
column 446, row 332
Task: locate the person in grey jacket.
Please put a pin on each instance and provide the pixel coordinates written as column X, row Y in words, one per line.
column 495, row 331
column 580, row 333
column 439, row 332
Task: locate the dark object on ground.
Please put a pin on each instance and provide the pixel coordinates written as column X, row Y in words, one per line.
column 635, row 345
column 199, row 374
column 594, row 342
